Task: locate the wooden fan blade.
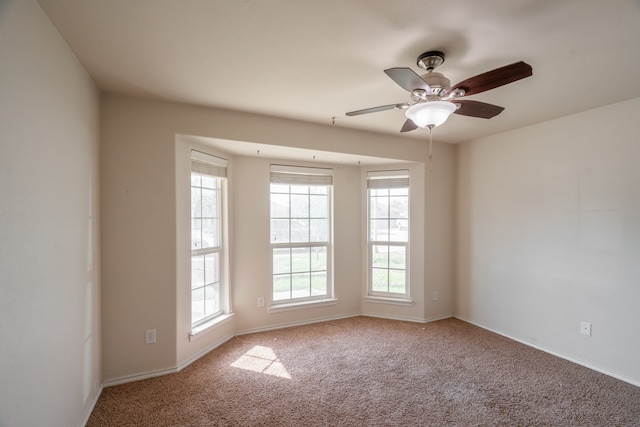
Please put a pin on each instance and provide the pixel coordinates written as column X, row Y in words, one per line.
column 407, row 78
column 477, row 109
column 408, row 126
column 372, row 110
column 494, row 78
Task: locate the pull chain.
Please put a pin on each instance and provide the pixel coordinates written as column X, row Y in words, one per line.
column 430, row 145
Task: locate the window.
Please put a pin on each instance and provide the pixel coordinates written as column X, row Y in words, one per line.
column 300, row 234
column 207, row 178
column 388, row 231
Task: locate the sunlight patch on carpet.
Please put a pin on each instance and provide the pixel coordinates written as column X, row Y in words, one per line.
column 263, row 360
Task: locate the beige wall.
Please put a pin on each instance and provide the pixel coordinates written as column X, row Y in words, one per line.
column 548, row 235
column 49, row 241
column 143, row 160
column 439, row 227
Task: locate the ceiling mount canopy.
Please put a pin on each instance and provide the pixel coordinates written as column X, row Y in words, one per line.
column 430, row 60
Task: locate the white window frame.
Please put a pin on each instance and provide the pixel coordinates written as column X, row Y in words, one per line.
column 391, row 179
column 304, row 176
column 214, row 167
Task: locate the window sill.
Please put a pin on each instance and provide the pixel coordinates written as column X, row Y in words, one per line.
column 389, row 300
column 299, row 305
column 201, row 329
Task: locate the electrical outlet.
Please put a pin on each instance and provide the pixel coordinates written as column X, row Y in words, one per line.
column 585, row 328
column 260, row 301
column 150, row 336
column 435, row 295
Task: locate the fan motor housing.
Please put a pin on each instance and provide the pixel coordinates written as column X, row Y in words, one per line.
column 436, row 81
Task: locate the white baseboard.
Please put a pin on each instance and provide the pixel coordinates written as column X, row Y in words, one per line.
column 89, row 410
column 138, row 377
column 560, row 355
column 204, row 352
column 408, row 319
column 292, row 324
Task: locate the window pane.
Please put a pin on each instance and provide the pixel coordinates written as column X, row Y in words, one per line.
column 379, row 280
column 279, row 188
column 301, row 285
column 196, row 203
column 196, row 236
column 379, row 230
column 318, row 189
column 319, row 283
column 397, row 281
column 211, row 299
column 281, row 260
column 379, row 192
column 397, row 233
column 281, row 287
column 211, row 268
column 318, row 206
column 279, row 206
column 319, row 232
column 209, row 181
column 402, row 224
column 380, row 256
column 197, row 305
column 197, row 271
column 299, row 230
column 397, row 257
column 195, row 180
column 398, row 207
column 300, row 189
column 299, row 206
column 279, row 230
column 209, row 205
column 399, row 191
column 318, row 259
column 379, row 207
column 210, row 233
column 300, row 260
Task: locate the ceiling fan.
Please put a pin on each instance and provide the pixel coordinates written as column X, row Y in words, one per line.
column 434, row 99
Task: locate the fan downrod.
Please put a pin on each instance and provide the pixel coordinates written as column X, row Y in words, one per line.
column 430, row 60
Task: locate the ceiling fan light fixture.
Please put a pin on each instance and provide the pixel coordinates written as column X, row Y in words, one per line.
column 430, row 113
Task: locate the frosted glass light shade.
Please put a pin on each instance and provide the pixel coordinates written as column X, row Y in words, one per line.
column 430, row 113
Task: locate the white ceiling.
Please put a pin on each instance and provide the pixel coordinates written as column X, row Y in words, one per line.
column 313, row 60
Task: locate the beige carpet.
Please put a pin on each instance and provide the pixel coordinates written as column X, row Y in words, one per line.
column 373, row 372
